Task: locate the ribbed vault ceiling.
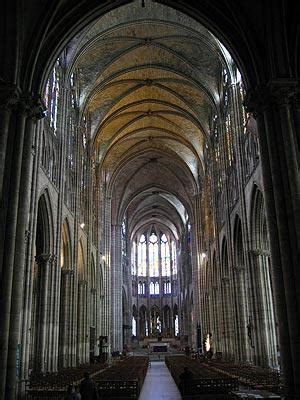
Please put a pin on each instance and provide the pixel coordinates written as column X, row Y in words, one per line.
column 149, row 80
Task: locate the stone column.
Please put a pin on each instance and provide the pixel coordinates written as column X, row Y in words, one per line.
column 116, row 288
column 241, row 337
column 28, row 281
column 260, row 328
column 43, row 262
column 72, row 325
column 274, row 105
column 226, row 332
column 81, row 322
column 52, row 316
column 17, row 126
column 65, row 343
column 9, row 96
column 198, row 248
column 106, row 268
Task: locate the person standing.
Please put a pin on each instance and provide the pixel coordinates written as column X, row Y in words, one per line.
column 186, row 378
column 71, row 394
column 88, row 388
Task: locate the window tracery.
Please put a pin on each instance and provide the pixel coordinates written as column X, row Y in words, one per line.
column 52, row 94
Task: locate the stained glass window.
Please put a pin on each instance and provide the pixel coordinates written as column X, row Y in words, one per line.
column 51, row 96
column 176, row 325
column 174, row 258
column 167, row 287
column 141, row 288
column 153, row 255
column 133, row 258
column 142, row 256
column 165, row 256
column 133, row 326
column 151, row 288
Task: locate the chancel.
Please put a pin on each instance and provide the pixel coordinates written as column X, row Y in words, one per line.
column 149, row 188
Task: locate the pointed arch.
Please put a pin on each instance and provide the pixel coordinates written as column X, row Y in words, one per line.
column 81, row 273
column 224, row 258
column 264, row 337
column 93, row 272
column 238, row 245
column 44, row 227
column 43, row 284
column 66, row 246
column 258, row 221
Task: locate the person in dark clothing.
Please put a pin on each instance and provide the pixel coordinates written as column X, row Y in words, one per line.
column 88, row 388
column 185, row 379
column 71, row 393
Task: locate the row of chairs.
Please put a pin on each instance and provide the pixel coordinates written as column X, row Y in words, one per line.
column 123, row 380
column 62, row 378
column 251, row 376
column 204, row 381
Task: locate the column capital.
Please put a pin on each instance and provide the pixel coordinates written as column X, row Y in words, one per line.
column 9, row 96
column 67, row 271
column 82, row 283
column 276, row 92
column 31, row 105
column 225, row 280
column 238, row 268
column 43, row 259
column 27, row 235
column 259, row 252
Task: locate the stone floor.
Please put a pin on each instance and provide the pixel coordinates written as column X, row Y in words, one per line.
column 159, row 384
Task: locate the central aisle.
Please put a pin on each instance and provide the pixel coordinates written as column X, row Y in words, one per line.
column 159, row 384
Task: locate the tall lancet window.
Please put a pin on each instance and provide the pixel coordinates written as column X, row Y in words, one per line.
column 151, row 288
column 142, row 256
column 133, row 258
column 174, row 258
column 165, row 256
column 153, row 255
column 51, row 96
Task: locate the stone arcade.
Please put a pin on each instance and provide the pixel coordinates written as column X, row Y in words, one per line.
column 149, row 182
